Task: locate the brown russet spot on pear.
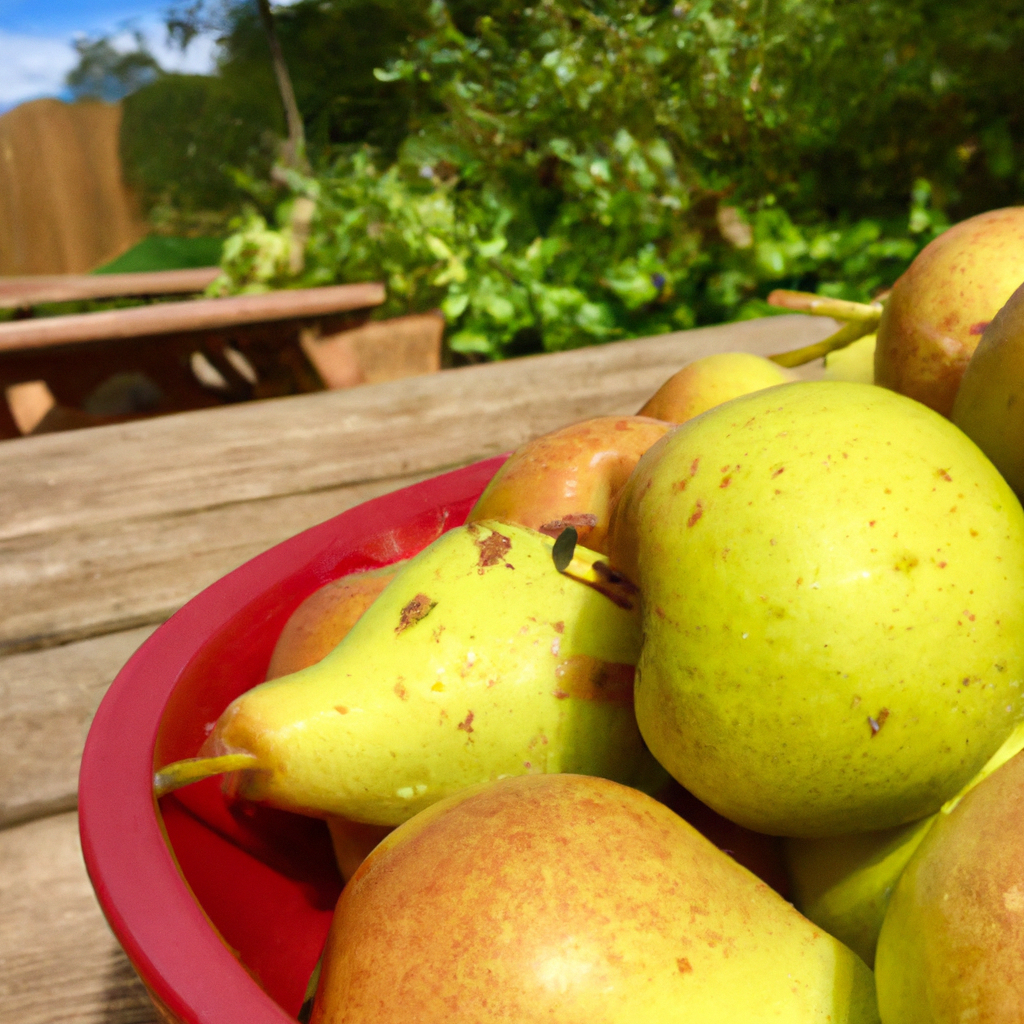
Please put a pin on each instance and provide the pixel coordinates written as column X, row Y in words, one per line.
column 570, row 477
column 416, row 610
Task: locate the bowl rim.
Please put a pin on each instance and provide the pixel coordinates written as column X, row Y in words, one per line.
column 168, row 938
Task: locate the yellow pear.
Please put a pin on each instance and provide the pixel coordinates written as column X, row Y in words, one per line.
column 854, row 363
column 479, row 660
column 989, row 406
column 832, row 592
column 577, row 900
column 711, row 380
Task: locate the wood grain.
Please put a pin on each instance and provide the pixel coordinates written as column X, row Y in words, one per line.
column 33, row 289
column 107, row 531
column 58, row 959
column 95, row 579
column 313, row 442
column 47, row 702
column 195, row 315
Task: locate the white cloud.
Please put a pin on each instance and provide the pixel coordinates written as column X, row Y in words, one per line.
column 32, row 66
column 198, row 59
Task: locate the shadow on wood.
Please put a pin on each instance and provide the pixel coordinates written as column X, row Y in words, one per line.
column 125, row 998
column 405, row 346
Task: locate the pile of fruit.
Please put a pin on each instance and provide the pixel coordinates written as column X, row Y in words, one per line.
column 762, row 641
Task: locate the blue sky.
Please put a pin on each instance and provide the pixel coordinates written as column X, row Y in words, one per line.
column 36, row 37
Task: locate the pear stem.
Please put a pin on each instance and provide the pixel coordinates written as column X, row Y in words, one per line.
column 823, row 305
column 846, row 335
column 590, row 569
column 195, row 769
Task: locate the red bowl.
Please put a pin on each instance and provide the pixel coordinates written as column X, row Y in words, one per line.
column 222, row 909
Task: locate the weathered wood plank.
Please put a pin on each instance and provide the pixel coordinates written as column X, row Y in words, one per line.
column 33, row 289
column 47, row 702
column 196, row 315
column 58, row 959
column 89, row 580
column 333, row 439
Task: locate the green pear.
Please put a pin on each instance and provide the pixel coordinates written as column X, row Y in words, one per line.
column 832, row 592
column 989, row 406
column 479, row 660
column 577, row 900
column 844, row 883
column 937, row 310
column 950, row 946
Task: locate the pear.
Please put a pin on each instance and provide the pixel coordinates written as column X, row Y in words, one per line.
column 844, row 883
column 989, row 406
column 936, row 313
column 569, row 477
column 578, row 900
column 711, row 380
column 480, row 659
column 854, row 363
column 832, row 592
column 324, row 618
column 950, row 946
column 312, row 631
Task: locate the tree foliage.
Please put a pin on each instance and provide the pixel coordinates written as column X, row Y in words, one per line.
column 579, row 170
column 104, row 72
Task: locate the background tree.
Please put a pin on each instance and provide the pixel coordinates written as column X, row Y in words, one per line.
column 573, row 171
column 106, row 73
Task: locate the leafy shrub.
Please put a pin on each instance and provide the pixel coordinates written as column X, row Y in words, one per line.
column 581, row 170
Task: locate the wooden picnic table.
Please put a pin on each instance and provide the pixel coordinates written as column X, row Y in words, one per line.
column 105, row 533
column 36, row 289
column 75, row 354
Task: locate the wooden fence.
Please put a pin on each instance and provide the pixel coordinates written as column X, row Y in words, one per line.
column 63, row 205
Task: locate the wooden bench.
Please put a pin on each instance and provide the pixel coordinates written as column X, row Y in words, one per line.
column 193, row 354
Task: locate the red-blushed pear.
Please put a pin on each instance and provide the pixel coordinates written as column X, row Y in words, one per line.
column 711, row 380
column 569, row 477
column 989, row 406
column 578, row 900
column 951, row 948
column 323, row 620
column 937, row 311
column 763, row 855
column 352, row 842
